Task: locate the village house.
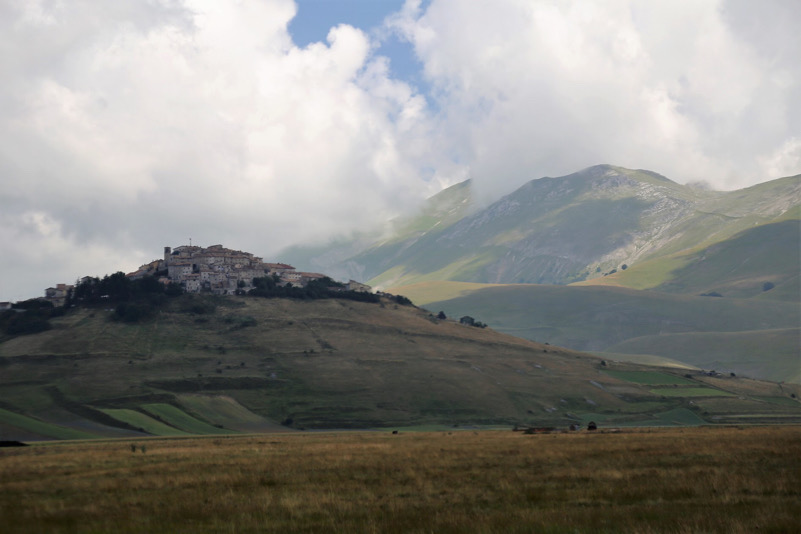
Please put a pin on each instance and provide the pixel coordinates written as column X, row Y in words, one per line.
column 58, row 295
column 353, row 285
column 213, row 269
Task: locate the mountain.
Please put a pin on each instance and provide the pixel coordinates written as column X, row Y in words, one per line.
column 362, row 255
column 211, row 365
column 574, row 228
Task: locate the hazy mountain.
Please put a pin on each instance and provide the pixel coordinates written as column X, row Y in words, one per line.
column 362, row 255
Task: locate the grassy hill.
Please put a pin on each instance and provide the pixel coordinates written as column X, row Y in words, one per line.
column 719, row 333
column 770, row 353
column 245, row 364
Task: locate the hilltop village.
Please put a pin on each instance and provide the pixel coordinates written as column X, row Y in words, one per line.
column 215, row 269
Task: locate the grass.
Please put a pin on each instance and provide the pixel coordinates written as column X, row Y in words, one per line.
column 36, row 426
column 733, row 480
column 652, row 378
column 646, row 275
column 772, row 354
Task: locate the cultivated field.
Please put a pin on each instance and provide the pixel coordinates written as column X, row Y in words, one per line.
column 733, row 479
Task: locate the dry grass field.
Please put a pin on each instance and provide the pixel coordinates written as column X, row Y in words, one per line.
column 733, row 479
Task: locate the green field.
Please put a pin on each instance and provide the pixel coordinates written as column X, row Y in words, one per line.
column 180, row 419
column 146, row 423
column 224, row 410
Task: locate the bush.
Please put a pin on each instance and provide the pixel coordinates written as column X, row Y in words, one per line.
column 403, row 301
column 133, row 312
column 26, row 323
column 469, row 321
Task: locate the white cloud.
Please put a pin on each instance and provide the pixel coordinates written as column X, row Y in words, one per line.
column 785, row 160
column 536, row 88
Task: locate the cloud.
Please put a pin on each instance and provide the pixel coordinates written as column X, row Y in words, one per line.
column 694, row 90
column 127, row 126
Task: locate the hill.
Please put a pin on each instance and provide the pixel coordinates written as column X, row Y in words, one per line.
column 241, row 364
column 698, row 331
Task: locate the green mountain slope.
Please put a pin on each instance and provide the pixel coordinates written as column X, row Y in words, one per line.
column 318, row 364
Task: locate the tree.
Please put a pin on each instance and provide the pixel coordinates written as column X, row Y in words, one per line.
column 441, row 316
column 469, row 321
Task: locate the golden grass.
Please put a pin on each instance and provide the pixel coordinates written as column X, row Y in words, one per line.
column 667, row 480
column 423, row 293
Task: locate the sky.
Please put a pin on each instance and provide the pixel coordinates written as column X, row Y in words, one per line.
column 128, row 126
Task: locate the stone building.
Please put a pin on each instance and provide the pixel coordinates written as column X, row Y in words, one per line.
column 222, row 271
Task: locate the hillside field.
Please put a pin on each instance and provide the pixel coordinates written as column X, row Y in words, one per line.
column 229, row 365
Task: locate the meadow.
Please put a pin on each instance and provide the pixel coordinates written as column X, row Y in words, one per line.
column 730, row 479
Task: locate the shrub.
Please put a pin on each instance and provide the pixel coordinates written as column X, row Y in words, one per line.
column 133, row 312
